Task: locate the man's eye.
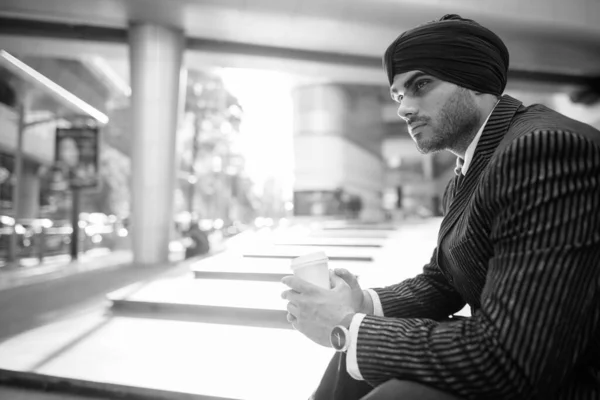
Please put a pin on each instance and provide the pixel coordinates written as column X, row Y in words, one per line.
column 421, row 84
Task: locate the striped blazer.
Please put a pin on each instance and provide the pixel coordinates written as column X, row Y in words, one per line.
column 520, row 244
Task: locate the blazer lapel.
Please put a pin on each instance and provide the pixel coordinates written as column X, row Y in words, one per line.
column 493, row 133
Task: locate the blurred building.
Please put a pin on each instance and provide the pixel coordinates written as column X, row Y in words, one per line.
column 338, row 134
column 352, row 157
column 45, row 107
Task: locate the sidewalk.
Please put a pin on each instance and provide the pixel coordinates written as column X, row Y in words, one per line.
column 53, row 267
column 34, row 296
column 62, row 266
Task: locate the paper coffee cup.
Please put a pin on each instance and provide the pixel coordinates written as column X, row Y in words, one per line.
column 312, row 268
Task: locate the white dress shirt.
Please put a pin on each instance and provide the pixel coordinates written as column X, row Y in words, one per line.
column 351, row 361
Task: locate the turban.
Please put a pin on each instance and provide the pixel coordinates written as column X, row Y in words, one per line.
column 452, row 49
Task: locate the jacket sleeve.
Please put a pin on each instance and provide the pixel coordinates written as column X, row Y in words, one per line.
column 429, row 294
column 540, row 307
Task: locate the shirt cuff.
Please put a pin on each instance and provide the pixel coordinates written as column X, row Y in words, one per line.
column 377, row 307
column 351, row 360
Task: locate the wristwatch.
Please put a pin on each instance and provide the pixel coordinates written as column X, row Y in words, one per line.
column 340, row 334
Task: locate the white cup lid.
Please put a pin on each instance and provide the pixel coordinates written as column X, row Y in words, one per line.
column 318, row 256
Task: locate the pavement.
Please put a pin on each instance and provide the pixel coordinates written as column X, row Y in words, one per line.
column 11, row 393
column 32, row 305
column 180, row 335
column 31, row 271
column 35, row 294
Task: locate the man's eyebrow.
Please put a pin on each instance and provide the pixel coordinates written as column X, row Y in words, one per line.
column 408, row 83
column 413, row 78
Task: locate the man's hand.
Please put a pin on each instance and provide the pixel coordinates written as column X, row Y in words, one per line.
column 359, row 300
column 314, row 311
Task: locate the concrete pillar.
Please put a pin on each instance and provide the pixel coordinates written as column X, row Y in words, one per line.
column 155, row 57
column 338, row 131
column 29, row 206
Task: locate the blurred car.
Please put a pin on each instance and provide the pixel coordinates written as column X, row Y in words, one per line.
column 37, row 237
column 42, row 236
column 7, row 227
column 98, row 230
column 57, row 237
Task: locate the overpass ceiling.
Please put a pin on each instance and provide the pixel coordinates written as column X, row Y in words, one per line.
column 551, row 36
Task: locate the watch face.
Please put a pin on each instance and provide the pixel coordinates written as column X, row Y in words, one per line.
column 338, row 338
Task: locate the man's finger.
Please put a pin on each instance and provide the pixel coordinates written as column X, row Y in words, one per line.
column 292, row 309
column 290, row 317
column 292, row 320
column 290, row 295
column 348, row 277
column 299, row 285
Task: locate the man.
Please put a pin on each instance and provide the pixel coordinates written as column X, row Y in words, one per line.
column 519, row 243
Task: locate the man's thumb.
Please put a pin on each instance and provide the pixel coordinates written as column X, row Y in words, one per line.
column 348, row 277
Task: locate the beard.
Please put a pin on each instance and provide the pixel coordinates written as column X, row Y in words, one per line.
column 455, row 127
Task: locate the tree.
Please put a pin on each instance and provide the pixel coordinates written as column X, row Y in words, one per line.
column 211, row 165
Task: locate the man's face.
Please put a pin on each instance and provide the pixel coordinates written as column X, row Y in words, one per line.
column 440, row 115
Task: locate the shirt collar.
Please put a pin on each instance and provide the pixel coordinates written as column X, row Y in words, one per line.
column 471, row 149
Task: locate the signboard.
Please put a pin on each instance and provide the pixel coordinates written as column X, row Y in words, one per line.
column 76, row 163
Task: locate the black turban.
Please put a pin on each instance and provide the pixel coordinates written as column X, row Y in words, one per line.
column 453, row 49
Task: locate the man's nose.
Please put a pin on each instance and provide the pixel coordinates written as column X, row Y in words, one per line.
column 407, row 109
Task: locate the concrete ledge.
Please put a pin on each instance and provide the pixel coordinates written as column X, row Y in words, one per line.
column 334, row 245
column 360, row 228
column 240, row 275
column 263, row 318
column 60, row 385
column 331, row 258
column 269, row 269
column 350, row 234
